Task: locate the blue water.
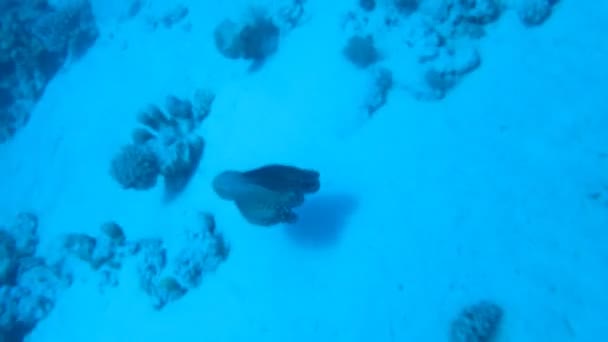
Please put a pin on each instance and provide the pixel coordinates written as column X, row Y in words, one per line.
column 422, row 170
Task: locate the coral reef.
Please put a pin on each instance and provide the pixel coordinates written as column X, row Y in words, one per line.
column 477, row 323
column 267, row 196
column 165, row 278
column 36, row 40
column 164, row 275
column 29, row 285
column 440, row 37
column 165, row 144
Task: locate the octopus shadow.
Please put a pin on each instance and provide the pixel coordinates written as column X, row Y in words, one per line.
column 321, row 220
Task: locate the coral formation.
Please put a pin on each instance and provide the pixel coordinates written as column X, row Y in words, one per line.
column 194, row 261
column 29, row 285
column 136, row 167
column 255, row 38
column 267, row 196
column 441, row 37
column 361, row 51
column 165, row 278
column 254, row 41
column 164, row 275
column 165, row 144
column 105, row 250
column 477, row 323
column 36, row 39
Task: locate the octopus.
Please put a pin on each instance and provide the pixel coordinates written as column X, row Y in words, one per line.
column 266, row 196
